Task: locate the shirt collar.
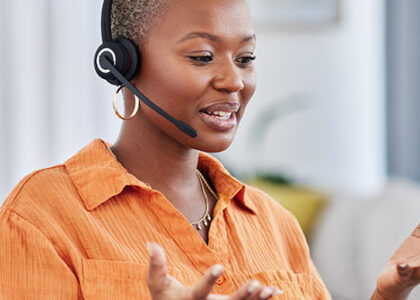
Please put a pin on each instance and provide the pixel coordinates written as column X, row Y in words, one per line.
column 98, row 176
column 226, row 186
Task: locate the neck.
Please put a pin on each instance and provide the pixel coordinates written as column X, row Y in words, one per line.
column 158, row 160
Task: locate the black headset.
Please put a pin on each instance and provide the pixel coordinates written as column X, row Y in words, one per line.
column 118, row 60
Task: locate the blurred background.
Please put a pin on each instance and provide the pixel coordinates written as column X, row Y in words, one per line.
column 332, row 133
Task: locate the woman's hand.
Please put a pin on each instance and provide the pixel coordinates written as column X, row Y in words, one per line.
column 164, row 287
column 402, row 272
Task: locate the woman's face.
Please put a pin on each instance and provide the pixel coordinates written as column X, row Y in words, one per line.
column 198, row 65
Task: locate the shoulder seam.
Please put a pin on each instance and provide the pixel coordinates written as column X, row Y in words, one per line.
column 22, row 183
column 37, row 230
column 32, row 225
column 23, row 218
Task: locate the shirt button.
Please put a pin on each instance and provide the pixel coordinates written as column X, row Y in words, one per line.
column 220, row 280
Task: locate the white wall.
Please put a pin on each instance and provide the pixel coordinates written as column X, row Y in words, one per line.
column 53, row 103
column 336, row 141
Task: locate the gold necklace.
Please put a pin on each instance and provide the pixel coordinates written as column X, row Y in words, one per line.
column 207, row 184
column 206, row 219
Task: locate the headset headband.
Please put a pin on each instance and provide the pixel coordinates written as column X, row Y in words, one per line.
column 106, row 21
column 117, row 61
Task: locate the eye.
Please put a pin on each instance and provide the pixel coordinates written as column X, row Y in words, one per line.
column 245, row 61
column 201, row 59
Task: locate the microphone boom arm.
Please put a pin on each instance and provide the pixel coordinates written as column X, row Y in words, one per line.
column 188, row 130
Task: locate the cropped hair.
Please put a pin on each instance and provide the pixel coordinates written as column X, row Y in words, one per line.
column 134, row 19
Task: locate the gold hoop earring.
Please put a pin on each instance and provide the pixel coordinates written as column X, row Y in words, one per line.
column 114, row 105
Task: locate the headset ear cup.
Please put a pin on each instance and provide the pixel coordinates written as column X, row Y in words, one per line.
column 133, row 63
column 117, row 54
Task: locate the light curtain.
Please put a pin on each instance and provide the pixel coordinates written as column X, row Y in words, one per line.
column 52, row 102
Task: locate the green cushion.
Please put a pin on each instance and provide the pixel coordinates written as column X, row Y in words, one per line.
column 304, row 203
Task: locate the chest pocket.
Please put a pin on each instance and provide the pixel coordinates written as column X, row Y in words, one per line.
column 105, row 279
column 294, row 286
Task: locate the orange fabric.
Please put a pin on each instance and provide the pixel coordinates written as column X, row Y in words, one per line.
column 79, row 230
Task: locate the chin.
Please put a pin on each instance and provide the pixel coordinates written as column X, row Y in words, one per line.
column 216, row 148
column 214, row 143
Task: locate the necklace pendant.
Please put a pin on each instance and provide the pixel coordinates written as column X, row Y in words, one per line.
column 208, row 218
column 199, row 226
column 205, row 223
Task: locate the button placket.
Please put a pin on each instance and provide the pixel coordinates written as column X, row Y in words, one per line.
column 221, row 280
column 219, row 244
column 218, row 239
column 224, row 284
column 200, row 255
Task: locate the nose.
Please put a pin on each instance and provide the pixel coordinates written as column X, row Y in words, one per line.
column 228, row 78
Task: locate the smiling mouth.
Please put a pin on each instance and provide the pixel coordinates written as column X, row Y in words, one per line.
column 223, row 115
column 219, row 120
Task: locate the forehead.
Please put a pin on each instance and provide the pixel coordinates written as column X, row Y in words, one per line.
column 225, row 18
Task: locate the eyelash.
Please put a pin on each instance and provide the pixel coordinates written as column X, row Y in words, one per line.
column 249, row 59
column 203, row 60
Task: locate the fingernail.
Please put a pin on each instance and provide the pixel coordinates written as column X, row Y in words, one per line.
column 253, row 286
column 267, row 292
column 149, row 247
column 278, row 292
column 217, row 270
column 403, row 266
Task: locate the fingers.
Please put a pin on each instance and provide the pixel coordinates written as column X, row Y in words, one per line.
column 157, row 274
column 404, row 270
column 248, row 291
column 269, row 292
column 253, row 290
column 416, row 232
column 409, row 275
column 203, row 288
column 157, row 280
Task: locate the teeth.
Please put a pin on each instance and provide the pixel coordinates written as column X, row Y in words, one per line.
column 222, row 114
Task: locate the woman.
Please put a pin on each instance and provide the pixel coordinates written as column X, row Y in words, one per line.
column 83, row 229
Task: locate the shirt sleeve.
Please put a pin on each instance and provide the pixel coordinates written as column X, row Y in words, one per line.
column 294, row 245
column 30, row 267
column 318, row 288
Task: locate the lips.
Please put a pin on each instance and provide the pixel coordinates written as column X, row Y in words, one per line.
column 231, row 107
column 220, row 116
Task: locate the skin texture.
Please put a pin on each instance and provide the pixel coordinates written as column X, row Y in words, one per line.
column 182, row 86
column 164, row 287
column 177, row 74
column 156, row 152
column 402, row 272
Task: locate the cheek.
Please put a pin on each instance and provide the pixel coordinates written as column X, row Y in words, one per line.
column 250, row 82
column 176, row 87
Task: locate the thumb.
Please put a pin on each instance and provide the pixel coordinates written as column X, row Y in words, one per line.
column 157, row 274
column 404, row 269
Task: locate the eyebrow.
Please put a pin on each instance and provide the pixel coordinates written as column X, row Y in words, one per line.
column 211, row 37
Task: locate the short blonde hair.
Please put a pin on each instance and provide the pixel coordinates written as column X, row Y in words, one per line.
column 133, row 19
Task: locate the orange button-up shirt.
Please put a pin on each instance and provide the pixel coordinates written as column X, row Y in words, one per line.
column 79, row 231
